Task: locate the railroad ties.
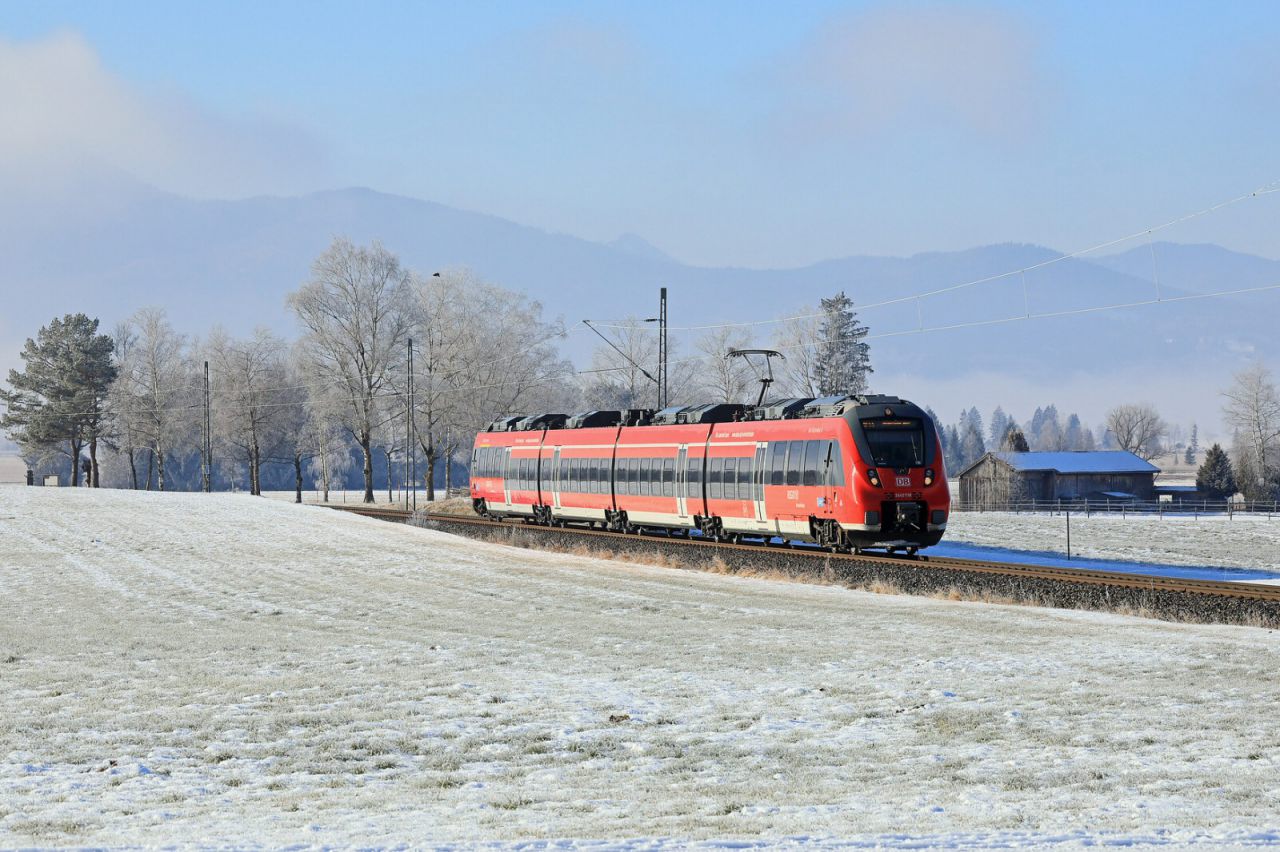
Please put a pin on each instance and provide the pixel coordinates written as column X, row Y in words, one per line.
column 1168, row 598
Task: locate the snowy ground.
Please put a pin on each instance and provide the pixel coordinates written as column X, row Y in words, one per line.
column 224, row 670
column 1239, row 541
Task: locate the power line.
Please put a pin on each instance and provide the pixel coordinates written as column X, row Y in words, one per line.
column 1266, row 189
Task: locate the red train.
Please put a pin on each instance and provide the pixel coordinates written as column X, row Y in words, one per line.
column 845, row 472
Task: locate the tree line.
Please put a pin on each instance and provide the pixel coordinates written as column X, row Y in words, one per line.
column 1251, row 412
column 128, row 408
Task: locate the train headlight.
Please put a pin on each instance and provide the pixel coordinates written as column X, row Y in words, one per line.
column 928, row 476
column 874, row 476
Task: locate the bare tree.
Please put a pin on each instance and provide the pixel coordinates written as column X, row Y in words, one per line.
column 330, row 456
column 355, row 311
column 725, row 379
column 1253, row 411
column 626, row 377
column 1137, row 428
column 156, row 393
column 250, row 385
column 797, row 340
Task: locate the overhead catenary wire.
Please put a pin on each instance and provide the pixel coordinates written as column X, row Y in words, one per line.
column 572, row 373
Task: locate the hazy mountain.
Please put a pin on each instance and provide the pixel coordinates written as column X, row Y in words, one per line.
column 118, row 245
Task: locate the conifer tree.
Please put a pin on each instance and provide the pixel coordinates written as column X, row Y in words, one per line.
column 843, row 362
column 1014, row 440
column 1215, row 478
column 57, row 402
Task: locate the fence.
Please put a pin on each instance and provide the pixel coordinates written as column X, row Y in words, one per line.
column 1130, row 507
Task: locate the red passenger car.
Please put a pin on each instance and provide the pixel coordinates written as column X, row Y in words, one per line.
column 845, row 472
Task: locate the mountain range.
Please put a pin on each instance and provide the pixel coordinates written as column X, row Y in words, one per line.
column 115, row 245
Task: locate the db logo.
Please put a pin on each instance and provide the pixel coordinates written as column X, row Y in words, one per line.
column 904, row 482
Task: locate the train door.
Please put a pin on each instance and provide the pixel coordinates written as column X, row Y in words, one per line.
column 553, row 481
column 507, row 472
column 682, row 502
column 832, row 475
column 757, row 485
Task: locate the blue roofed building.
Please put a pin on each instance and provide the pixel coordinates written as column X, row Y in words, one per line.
column 998, row 479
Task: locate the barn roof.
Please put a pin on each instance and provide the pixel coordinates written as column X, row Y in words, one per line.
column 1079, row 461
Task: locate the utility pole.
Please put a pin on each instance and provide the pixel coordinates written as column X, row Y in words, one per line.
column 207, row 455
column 410, row 450
column 663, row 399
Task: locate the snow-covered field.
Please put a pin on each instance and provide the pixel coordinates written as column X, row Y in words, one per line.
column 1241, row 541
column 224, row 670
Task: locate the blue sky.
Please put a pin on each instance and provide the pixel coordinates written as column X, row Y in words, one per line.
column 757, row 134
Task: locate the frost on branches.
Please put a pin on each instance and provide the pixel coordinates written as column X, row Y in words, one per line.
column 843, row 362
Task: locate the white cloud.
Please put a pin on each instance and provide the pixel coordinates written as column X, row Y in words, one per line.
column 65, row 113
column 917, row 65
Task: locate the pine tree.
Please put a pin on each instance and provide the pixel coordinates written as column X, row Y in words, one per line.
column 1073, row 438
column 57, row 402
column 1193, row 446
column 999, row 425
column 1014, row 441
column 843, row 363
column 1215, row 478
column 971, row 444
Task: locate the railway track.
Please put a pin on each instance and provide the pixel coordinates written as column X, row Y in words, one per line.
column 1163, row 597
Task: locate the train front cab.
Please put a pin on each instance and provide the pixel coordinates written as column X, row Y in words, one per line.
column 897, row 479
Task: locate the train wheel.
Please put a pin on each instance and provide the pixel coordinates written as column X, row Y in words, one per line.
column 912, row 551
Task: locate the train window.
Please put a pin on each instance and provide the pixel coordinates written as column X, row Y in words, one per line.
column 746, row 467
column 730, row 479
column 598, row 474
column 693, row 478
column 835, row 468
column 811, row 463
column 714, row 488
column 590, row 477
column 795, row 453
column 644, row 477
column 634, row 475
column 668, row 477
column 778, row 463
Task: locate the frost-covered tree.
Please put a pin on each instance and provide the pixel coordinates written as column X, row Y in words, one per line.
column 628, row 378
column 58, row 402
column 972, row 445
column 1253, row 411
column 158, row 389
column 842, row 364
column 356, row 312
column 250, row 392
column 1215, row 478
column 954, row 455
column 1137, row 428
column 1073, row 435
column 1193, row 446
column 999, row 425
column 725, row 378
column 797, row 339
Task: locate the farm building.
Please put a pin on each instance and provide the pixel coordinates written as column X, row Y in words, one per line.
column 998, row 479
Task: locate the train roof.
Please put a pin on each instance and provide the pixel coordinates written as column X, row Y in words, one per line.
column 711, row 412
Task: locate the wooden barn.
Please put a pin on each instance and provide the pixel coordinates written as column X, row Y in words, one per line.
column 998, row 479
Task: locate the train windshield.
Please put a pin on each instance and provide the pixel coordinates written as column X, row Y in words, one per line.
column 895, row 443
